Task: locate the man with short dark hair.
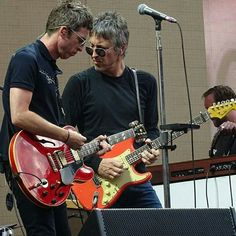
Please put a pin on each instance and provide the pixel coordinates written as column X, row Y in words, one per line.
column 224, row 141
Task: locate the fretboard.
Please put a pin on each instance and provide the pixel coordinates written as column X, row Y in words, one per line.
column 93, row 146
column 124, row 135
column 156, row 143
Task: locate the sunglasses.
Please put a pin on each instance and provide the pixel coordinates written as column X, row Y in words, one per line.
column 101, row 52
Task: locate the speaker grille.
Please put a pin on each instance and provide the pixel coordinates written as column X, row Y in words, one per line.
column 167, row 222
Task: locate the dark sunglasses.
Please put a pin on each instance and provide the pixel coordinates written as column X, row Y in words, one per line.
column 101, row 52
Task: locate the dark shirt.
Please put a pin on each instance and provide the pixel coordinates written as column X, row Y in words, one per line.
column 223, row 145
column 100, row 104
column 31, row 68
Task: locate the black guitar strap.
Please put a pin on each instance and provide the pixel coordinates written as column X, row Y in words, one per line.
column 137, row 94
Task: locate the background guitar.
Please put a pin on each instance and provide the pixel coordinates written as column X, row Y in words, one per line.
column 45, row 168
column 102, row 193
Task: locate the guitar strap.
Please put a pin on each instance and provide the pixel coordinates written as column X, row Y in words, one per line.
column 137, row 94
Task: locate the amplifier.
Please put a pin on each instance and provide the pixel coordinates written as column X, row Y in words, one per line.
column 199, row 169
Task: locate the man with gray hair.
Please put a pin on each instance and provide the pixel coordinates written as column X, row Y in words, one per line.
column 103, row 99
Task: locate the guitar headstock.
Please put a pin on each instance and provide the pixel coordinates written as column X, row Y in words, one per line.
column 139, row 130
column 221, row 109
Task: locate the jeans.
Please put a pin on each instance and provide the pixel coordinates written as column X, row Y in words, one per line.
column 138, row 196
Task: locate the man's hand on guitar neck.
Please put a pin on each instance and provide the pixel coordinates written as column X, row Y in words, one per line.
column 104, row 145
column 75, row 141
column 150, row 156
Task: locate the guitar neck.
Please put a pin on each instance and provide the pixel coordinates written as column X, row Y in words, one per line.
column 89, row 149
column 93, row 146
column 124, row 135
column 198, row 120
column 156, row 143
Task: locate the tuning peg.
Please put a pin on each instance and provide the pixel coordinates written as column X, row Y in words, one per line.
column 133, row 124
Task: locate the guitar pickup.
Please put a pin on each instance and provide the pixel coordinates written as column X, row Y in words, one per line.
column 52, row 163
column 61, row 157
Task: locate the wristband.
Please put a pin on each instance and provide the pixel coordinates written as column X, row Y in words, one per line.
column 68, row 137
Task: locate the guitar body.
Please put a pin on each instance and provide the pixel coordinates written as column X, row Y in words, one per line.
column 39, row 173
column 101, row 193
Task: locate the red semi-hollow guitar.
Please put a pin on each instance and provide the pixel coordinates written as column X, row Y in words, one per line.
column 46, row 168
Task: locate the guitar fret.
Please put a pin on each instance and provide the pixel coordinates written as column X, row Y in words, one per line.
column 115, row 138
column 200, row 119
column 89, row 149
column 134, row 156
column 93, row 146
column 156, row 143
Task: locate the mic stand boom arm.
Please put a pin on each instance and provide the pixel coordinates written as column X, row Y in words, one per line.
column 163, row 134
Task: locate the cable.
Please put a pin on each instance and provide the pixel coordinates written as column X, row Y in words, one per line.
column 206, row 190
column 211, row 169
column 190, row 113
column 15, row 207
column 74, row 200
column 18, row 217
column 230, row 184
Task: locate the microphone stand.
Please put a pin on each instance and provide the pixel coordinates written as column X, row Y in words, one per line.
column 163, row 134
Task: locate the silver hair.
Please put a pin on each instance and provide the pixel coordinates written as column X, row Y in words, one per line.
column 112, row 26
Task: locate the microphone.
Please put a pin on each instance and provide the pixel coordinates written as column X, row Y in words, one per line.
column 143, row 9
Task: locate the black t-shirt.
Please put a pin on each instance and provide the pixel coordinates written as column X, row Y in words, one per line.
column 223, row 145
column 100, row 104
column 31, row 68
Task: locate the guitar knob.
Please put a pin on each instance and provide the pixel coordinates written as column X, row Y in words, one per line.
column 52, row 186
column 53, row 201
column 61, row 194
column 108, row 184
column 45, row 193
column 133, row 124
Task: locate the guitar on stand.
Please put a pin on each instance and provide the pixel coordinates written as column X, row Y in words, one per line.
column 45, row 168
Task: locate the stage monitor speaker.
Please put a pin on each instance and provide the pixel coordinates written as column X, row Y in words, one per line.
column 160, row 222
